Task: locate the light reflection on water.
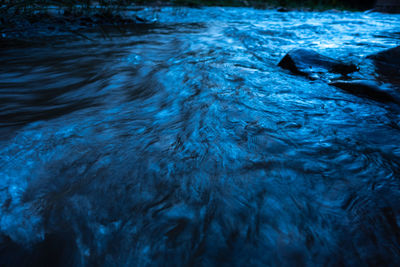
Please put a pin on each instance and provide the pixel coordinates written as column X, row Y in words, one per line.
column 184, row 143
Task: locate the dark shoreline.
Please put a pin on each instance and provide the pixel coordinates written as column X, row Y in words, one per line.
column 62, row 22
column 32, row 22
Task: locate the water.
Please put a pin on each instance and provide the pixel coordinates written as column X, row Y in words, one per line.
column 183, row 143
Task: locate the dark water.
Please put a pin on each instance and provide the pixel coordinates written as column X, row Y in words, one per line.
column 183, row 143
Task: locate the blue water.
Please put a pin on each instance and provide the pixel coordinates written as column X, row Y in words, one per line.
column 182, row 143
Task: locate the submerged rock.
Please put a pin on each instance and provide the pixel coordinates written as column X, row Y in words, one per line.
column 308, row 62
column 370, row 89
column 387, row 64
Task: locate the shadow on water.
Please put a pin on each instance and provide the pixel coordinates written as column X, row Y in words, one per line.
column 66, row 79
column 185, row 144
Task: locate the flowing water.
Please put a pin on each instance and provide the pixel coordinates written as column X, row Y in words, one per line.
column 182, row 143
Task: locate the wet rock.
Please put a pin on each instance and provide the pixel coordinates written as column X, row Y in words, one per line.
column 389, row 57
column 308, row 62
column 387, row 64
column 370, row 89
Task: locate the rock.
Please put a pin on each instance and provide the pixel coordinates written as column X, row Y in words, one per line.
column 390, row 57
column 308, row 62
column 387, row 64
column 370, row 89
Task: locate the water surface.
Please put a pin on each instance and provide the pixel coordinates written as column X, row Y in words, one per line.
column 183, row 143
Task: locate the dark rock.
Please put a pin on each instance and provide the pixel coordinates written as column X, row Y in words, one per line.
column 387, row 64
column 308, row 62
column 370, row 89
column 389, row 56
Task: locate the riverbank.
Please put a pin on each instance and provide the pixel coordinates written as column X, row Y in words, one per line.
column 59, row 22
column 27, row 20
column 268, row 4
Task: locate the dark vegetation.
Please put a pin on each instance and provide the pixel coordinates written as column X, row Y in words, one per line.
column 22, row 19
column 313, row 4
column 112, row 5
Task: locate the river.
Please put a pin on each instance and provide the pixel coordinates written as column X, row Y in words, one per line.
column 182, row 143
